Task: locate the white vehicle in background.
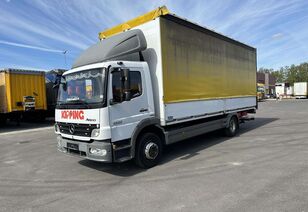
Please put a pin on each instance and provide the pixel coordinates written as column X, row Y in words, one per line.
column 151, row 82
column 300, row 90
column 280, row 89
column 290, row 91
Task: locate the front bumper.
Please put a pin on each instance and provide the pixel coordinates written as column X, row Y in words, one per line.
column 83, row 149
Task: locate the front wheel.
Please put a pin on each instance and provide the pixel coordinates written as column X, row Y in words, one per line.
column 148, row 150
column 233, row 127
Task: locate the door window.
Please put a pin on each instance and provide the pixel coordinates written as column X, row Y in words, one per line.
column 117, row 86
column 135, row 85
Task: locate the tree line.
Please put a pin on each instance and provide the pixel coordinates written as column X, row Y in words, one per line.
column 289, row 74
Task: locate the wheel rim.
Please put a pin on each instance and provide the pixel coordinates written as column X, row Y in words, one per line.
column 151, row 151
column 232, row 125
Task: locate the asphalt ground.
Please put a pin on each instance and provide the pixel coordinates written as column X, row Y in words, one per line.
column 264, row 168
column 12, row 127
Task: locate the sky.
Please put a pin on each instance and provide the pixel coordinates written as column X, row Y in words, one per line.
column 35, row 33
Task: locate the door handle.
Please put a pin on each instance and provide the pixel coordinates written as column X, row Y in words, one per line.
column 143, row 110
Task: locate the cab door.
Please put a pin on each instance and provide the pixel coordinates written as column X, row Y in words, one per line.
column 125, row 115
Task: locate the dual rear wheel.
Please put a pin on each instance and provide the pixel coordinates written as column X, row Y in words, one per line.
column 232, row 127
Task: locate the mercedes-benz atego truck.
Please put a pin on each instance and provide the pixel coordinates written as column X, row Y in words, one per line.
column 150, row 82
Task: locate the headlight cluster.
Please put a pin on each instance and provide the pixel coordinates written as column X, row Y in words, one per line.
column 97, row 151
column 95, row 133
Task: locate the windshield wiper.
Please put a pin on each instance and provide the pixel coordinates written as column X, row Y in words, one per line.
column 78, row 101
column 60, row 102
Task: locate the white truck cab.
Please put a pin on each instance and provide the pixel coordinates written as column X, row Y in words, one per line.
column 113, row 116
column 163, row 80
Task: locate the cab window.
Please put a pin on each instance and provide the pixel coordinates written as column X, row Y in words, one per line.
column 135, row 85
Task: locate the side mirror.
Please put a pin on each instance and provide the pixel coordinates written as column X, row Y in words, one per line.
column 127, row 96
column 64, row 86
column 122, row 79
column 57, row 82
column 126, row 84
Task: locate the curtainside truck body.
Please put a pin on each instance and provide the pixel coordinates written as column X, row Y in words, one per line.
column 151, row 82
column 22, row 92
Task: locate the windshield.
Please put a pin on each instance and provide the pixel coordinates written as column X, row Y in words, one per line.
column 83, row 87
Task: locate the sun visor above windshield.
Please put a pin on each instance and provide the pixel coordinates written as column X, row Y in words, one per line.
column 114, row 47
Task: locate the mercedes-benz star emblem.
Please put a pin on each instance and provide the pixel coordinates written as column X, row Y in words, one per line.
column 71, row 128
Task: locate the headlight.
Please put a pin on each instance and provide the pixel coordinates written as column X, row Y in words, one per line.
column 95, row 133
column 97, row 151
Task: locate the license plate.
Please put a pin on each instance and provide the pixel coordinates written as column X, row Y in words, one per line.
column 72, row 146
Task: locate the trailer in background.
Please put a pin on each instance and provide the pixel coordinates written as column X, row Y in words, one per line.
column 290, row 91
column 279, row 89
column 300, row 90
column 22, row 93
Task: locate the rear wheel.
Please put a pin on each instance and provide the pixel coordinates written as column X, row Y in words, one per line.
column 148, row 150
column 232, row 127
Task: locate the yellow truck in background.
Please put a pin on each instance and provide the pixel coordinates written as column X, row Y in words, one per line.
column 22, row 93
column 260, row 91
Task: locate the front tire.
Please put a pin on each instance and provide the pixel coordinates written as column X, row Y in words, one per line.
column 148, row 150
column 233, row 127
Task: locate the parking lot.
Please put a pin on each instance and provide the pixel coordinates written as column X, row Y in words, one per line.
column 264, row 168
